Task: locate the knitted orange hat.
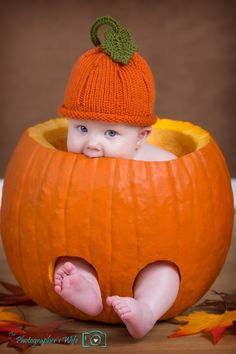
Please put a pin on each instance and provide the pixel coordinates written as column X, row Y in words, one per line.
column 111, row 82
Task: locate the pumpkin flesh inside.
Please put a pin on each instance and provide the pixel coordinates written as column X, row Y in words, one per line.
column 178, row 137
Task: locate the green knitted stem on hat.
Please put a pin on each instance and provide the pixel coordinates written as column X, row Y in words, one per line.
column 118, row 42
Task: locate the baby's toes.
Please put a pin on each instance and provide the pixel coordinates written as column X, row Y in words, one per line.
column 122, row 310
column 57, row 277
column 110, row 299
column 61, row 272
column 57, row 281
column 69, row 267
column 120, row 306
column 126, row 314
column 57, row 288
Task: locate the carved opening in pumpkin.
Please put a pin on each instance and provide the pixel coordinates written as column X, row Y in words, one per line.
column 52, row 265
column 165, row 261
column 178, row 137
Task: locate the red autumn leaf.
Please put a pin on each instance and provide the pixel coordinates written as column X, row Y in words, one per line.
column 40, row 335
column 3, row 338
column 17, row 296
column 7, row 329
column 11, row 327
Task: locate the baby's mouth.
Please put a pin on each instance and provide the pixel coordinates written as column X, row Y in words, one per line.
column 93, row 153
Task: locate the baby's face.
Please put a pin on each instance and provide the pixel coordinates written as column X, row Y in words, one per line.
column 107, row 139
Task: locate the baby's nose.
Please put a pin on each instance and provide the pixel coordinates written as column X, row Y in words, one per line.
column 93, row 144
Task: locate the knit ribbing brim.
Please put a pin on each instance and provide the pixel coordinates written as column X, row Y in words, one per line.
column 108, row 117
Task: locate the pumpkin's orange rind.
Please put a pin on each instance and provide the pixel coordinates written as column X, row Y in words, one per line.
column 117, row 214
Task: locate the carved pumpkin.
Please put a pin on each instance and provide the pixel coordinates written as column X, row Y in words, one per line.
column 117, row 214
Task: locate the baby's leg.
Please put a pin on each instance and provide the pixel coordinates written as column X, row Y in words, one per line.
column 155, row 290
column 76, row 282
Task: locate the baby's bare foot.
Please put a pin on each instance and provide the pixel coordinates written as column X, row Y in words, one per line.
column 79, row 290
column 137, row 316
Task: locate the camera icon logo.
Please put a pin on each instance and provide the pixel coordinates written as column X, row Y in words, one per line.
column 94, row 338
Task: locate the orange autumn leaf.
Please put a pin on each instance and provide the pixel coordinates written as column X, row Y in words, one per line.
column 6, row 316
column 202, row 321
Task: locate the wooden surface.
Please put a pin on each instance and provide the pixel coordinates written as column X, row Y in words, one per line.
column 118, row 338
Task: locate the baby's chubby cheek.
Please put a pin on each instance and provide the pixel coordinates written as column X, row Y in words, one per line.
column 72, row 143
column 126, row 151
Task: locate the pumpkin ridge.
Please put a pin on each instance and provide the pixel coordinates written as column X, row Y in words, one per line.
column 57, row 203
column 111, row 291
column 19, row 222
column 194, row 204
column 66, row 198
column 111, row 226
column 91, row 188
column 184, row 278
column 47, row 163
column 136, row 237
column 140, row 265
column 222, row 158
column 220, row 161
column 51, row 266
column 212, row 206
column 205, row 169
column 171, row 171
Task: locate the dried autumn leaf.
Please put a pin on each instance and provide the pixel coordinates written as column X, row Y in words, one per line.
column 201, row 321
column 17, row 296
column 227, row 302
column 6, row 316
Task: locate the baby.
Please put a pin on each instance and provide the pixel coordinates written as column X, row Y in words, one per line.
column 157, row 285
column 106, row 139
column 109, row 104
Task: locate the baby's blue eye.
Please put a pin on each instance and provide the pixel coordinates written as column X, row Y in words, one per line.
column 111, row 133
column 82, row 128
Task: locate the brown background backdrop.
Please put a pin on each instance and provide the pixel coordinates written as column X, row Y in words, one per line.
column 189, row 44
